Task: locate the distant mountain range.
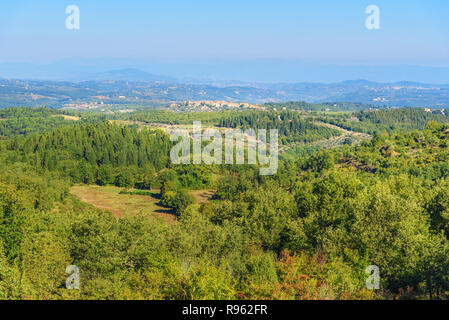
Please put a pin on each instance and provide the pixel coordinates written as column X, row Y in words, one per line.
column 361, row 91
column 134, row 75
column 138, row 88
column 218, row 72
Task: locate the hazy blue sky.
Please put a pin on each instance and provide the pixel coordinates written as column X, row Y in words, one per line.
column 320, row 31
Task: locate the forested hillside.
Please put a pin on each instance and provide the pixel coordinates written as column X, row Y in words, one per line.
column 25, row 121
column 92, row 152
column 290, row 125
column 308, row 232
column 390, row 120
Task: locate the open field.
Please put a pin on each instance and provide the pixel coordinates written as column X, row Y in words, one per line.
column 67, row 117
column 201, row 196
column 109, row 199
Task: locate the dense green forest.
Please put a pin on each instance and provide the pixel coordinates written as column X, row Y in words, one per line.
column 392, row 120
column 308, row 232
column 79, row 150
column 290, row 125
column 25, row 121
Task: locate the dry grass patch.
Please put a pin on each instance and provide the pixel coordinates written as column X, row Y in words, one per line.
column 201, row 196
column 66, row 117
column 109, row 198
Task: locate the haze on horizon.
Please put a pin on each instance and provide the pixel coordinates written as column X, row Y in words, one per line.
column 282, row 40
